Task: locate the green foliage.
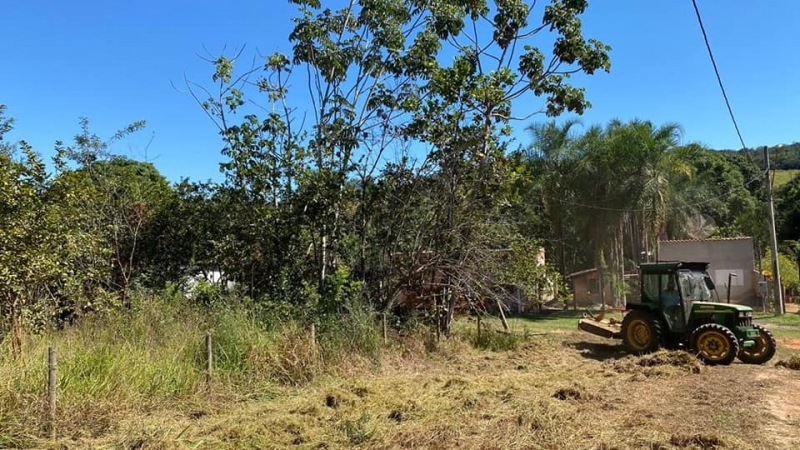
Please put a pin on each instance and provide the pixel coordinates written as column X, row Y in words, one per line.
column 358, row 432
column 523, row 269
column 730, row 189
column 790, row 272
column 782, row 157
column 783, row 177
column 34, row 242
column 134, row 359
column 314, row 220
column 153, row 355
column 609, row 192
column 787, row 211
column 496, row 341
column 114, row 200
column 207, row 294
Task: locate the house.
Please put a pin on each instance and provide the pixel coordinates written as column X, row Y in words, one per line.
column 732, row 256
column 214, row 277
column 586, row 288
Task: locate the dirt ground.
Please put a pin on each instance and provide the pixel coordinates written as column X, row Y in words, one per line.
column 565, row 390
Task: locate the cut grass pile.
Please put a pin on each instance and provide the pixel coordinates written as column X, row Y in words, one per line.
column 791, row 363
column 659, row 364
column 542, row 395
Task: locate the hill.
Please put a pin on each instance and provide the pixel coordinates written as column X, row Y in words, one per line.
column 782, row 177
column 782, row 157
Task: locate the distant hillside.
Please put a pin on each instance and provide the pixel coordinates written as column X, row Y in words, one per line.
column 784, row 176
column 784, row 157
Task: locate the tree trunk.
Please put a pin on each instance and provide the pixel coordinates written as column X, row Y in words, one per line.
column 323, row 260
column 17, row 331
column 451, row 309
column 560, row 245
column 599, row 262
column 502, row 314
column 621, row 255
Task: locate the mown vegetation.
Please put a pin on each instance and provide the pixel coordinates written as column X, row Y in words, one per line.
column 399, row 192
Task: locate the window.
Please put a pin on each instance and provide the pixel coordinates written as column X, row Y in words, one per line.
column 650, row 288
column 653, row 284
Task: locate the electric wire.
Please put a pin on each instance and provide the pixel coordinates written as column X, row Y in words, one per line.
column 716, row 72
column 735, row 125
column 705, row 201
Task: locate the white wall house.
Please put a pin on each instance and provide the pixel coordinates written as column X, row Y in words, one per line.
column 726, row 256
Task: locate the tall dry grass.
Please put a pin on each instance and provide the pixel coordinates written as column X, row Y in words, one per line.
column 153, row 357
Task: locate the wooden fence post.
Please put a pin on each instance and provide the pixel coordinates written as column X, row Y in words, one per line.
column 479, row 325
column 314, row 340
column 436, row 309
column 209, row 361
column 385, row 332
column 51, row 390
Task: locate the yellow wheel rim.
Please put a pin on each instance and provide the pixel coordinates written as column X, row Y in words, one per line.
column 639, row 334
column 714, row 345
column 760, row 348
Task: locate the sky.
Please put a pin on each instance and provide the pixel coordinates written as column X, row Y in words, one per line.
column 118, row 62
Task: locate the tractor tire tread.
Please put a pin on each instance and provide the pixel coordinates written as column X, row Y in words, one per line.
column 655, row 325
column 734, row 342
column 745, row 358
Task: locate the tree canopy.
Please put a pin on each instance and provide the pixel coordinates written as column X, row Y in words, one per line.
column 379, row 172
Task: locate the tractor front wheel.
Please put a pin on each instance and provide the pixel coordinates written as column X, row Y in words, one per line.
column 764, row 349
column 641, row 332
column 715, row 344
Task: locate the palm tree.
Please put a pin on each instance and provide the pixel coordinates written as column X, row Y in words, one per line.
column 550, row 153
column 664, row 171
column 632, row 174
column 624, row 178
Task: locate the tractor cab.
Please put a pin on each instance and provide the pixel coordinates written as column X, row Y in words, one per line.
column 676, row 309
column 670, row 289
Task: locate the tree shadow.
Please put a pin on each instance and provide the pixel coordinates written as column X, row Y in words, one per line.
column 597, row 351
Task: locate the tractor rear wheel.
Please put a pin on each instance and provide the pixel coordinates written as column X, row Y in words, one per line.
column 641, row 332
column 715, row 344
column 764, row 349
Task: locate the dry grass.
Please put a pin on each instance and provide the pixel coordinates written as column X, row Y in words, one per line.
column 561, row 390
column 791, row 363
column 542, row 396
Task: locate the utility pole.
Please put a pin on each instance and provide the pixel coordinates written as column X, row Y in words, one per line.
column 776, row 274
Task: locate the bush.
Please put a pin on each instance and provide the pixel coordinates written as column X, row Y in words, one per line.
column 153, row 356
column 496, row 341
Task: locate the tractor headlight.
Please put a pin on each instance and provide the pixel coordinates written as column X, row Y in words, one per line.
column 746, row 314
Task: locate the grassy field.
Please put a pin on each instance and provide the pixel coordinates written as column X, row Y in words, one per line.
column 545, row 386
column 784, row 176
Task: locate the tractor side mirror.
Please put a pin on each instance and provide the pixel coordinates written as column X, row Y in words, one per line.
column 709, row 283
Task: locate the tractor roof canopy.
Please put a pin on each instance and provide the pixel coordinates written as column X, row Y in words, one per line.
column 671, row 266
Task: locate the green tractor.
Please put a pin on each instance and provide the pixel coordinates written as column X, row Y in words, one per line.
column 676, row 311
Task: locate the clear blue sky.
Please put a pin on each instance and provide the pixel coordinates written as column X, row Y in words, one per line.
column 114, row 62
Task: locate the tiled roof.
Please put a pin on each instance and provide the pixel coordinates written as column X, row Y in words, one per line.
column 737, row 238
column 575, row 274
column 594, row 269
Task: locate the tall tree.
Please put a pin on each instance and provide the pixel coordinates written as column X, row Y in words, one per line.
column 374, row 76
column 117, row 197
column 551, row 155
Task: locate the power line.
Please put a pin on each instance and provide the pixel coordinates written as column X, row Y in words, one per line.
column 705, row 201
column 716, row 71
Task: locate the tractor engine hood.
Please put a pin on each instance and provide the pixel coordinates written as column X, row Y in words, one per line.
column 718, row 306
